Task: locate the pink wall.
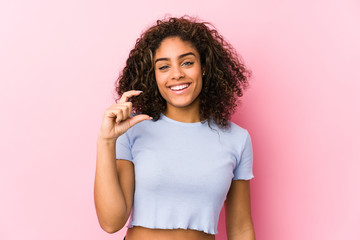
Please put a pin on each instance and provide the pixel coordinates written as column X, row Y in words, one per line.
column 59, row 62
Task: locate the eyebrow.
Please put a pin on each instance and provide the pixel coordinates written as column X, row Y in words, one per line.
column 181, row 56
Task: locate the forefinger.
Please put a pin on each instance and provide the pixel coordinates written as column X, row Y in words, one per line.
column 129, row 94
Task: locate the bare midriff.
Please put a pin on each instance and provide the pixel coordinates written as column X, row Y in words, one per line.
column 142, row 233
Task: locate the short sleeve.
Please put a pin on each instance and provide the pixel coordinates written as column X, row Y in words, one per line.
column 123, row 147
column 244, row 167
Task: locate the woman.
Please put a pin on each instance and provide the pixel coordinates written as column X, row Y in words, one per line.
column 174, row 160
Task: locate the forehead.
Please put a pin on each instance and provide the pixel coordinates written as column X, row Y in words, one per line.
column 173, row 47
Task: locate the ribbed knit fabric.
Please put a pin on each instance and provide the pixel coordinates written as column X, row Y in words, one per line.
column 183, row 171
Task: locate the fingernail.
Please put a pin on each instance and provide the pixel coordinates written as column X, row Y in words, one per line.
column 139, row 91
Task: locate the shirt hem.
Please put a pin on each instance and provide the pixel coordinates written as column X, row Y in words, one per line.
column 131, row 225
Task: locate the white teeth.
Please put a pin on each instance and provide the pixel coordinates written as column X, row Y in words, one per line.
column 179, row 87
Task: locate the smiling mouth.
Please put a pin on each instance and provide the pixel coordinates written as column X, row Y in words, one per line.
column 180, row 87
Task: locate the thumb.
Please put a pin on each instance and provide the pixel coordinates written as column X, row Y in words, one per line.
column 138, row 118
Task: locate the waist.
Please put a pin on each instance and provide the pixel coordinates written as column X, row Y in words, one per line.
column 142, row 233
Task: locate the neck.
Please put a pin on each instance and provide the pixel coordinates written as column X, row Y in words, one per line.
column 188, row 114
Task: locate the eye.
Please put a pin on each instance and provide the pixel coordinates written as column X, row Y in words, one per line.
column 163, row 67
column 188, row 63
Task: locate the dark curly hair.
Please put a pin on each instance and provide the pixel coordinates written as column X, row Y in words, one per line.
column 225, row 79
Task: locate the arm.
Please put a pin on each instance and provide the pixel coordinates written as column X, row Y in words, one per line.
column 114, row 179
column 111, row 208
column 239, row 224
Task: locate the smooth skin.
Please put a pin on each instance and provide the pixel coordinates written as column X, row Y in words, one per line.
column 176, row 63
column 114, row 180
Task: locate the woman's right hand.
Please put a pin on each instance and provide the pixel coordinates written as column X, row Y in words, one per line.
column 117, row 118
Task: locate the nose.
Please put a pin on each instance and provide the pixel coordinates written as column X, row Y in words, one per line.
column 177, row 73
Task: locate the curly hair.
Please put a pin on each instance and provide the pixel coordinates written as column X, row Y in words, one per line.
column 225, row 79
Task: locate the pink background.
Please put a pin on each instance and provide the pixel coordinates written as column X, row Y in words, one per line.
column 59, row 62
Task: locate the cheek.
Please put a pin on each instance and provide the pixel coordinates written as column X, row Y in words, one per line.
column 158, row 80
column 160, row 84
column 200, row 82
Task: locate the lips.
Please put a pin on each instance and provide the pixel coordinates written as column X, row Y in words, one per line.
column 179, row 87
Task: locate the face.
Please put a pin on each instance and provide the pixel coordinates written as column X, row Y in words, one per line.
column 178, row 73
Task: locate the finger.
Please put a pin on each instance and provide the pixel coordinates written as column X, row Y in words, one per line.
column 119, row 117
column 129, row 94
column 125, row 106
column 123, row 113
column 139, row 118
column 111, row 113
column 128, row 106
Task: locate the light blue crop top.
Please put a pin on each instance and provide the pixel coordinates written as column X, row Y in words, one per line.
column 183, row 171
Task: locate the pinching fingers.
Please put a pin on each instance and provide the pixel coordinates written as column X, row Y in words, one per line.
column 126, row 95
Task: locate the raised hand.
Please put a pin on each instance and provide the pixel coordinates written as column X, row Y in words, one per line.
column 117, row 118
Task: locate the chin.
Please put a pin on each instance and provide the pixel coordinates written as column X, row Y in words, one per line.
column 182, row 104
